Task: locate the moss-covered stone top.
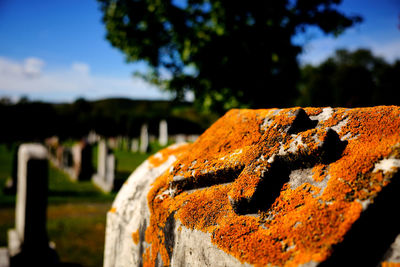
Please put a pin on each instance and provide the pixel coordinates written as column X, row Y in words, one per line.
column 276, row 186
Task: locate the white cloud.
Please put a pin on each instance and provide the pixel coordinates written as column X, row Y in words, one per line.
column 29, row 78
column 30, row 67
column 33, row 66
column 81, row 68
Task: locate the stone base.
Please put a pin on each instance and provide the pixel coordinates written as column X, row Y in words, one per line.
column 14, row 244
column 102, row 184
column 4, row 258
column 15, row 256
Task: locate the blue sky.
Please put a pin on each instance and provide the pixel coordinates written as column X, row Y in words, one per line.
column 55, row 50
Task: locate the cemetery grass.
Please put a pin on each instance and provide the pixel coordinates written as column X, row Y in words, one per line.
column 76, row 210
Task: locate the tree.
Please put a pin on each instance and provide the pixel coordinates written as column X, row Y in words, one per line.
column 350, row 79
column 228, row 53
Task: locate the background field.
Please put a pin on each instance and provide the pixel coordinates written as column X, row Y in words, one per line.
column 76, row 210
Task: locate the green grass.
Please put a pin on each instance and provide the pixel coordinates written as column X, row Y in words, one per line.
column 77, row 229
column 6, row 155
column 62, row 189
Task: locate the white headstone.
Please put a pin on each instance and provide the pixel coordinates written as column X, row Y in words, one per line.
column 110, row 169
column 180, row 138
column 135, row 145
column 28, row 242
column 104, row 178
column 101, row 159
column 163, row 137
column 144, row 139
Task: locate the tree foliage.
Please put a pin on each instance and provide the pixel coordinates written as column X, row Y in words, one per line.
column 228, row 53
column 350, row 79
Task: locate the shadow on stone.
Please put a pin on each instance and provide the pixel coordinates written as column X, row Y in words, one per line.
column 373, row 233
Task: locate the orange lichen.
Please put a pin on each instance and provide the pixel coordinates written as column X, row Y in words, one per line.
column 303, row 223
column 162, row 156
column 135, row 237
column 113, row 210
column 390, row 264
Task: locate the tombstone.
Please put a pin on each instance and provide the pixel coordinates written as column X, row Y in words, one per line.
column 28, row 243
column 163, row 136
column 110, row 169
column 76, row 152
column 101, row 158
column 144, row 139
column 86, row 168
column 92, row 137
column 135, row 145
column 104, row 178
column 276, row 187
column 82, row 161
column 192, row 138
column 180, row 138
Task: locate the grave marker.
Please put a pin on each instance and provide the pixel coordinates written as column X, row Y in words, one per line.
column 135, row 145
column 163, row 137
column 144, row 138
column 28, row 242
column 104, row 178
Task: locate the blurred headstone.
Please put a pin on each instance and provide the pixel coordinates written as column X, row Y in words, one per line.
column 192, row 138
column 76, row 152
column 163, row 137
column 104, row 178
column 86, row 168
column 144, row 138
column 82, row 161
column 180, row 138
column 135, row 145
column 28, row 243
column 110, row 170
column 93, row 137
column 101, row 158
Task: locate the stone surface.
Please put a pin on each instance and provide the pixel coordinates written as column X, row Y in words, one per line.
column 279, row 187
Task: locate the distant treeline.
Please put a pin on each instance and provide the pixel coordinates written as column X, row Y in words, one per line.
column 350, row 79
column 29, row 121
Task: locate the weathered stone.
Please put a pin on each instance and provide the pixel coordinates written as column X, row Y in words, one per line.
column 279, row 187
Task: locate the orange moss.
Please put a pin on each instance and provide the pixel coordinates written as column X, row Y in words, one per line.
column 303, row 223
column 135, row 237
